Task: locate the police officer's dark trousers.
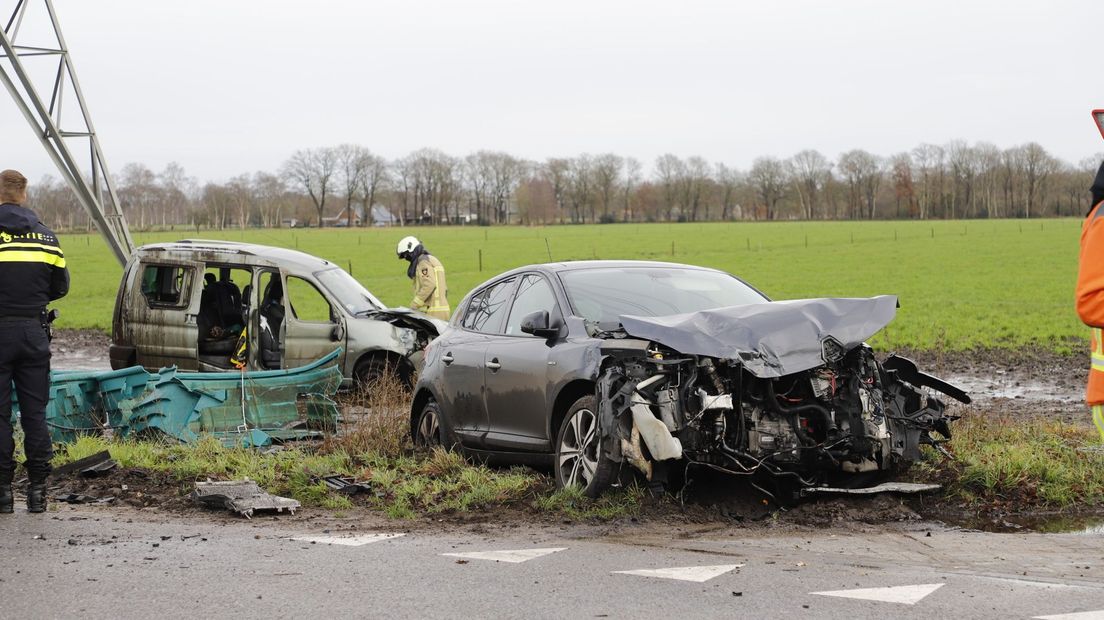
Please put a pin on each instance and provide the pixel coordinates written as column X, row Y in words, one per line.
column 25, row 362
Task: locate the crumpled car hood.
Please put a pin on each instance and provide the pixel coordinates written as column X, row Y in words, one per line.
column 405, row 317
column 770, row 339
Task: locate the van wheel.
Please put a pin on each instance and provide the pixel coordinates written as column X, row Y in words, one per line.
column 579, row 458
column 370, row 371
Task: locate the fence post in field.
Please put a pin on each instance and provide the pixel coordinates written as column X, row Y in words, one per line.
column 481, row 260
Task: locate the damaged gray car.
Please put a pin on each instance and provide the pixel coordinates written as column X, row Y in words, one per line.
column 603, row 369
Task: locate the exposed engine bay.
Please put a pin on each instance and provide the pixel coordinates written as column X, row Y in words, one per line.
column 848, row 416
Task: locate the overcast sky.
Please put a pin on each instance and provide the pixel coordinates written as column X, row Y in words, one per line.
column 231, row 87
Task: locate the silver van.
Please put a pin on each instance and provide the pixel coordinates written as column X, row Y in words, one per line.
column 188, row 304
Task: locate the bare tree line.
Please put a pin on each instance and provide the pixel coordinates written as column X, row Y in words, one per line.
column 348, row 185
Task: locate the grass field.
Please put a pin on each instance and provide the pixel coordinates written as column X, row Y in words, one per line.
column 962, row 284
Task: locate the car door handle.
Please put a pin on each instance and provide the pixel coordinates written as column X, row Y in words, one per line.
column 447, row 358
column 493, row 364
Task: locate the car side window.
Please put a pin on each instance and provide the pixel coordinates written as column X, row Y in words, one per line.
column 306, row 302
column 487, row 308
column 533, row 294
column 163, row 286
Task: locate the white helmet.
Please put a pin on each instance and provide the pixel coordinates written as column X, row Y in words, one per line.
column 407, row 244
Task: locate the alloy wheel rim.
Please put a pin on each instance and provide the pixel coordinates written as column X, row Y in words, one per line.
column 428, row 429
column 578, row 454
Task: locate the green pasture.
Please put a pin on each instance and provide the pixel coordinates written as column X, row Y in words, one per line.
column 962, row 284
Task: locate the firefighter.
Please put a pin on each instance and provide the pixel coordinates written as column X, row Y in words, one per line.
column 1090, row 295
column 32, row 274
column 428, row 274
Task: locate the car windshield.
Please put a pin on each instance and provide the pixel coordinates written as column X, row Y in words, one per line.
column 347, row 291
column 603, row 295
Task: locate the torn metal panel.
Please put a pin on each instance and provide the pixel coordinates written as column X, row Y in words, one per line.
column 906, row 369
column 888, row 487
column 241, row 496
column 408, row 318
column 345, row 484
column 90, row 466
column 770, row 339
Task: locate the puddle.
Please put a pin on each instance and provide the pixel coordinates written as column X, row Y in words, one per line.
column 79, row 358
column 1084, row 525
column 993, row 388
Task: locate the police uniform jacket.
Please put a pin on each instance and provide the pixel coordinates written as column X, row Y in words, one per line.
column 32, row 266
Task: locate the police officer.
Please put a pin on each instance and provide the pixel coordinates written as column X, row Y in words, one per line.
column 32, row 274
column 430, row 291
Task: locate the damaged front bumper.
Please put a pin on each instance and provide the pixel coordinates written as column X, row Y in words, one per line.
column 782, row 390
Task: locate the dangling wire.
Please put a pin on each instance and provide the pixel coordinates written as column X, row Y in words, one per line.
column 245, row 422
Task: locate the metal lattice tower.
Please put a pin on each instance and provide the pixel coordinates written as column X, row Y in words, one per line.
column 93, row 185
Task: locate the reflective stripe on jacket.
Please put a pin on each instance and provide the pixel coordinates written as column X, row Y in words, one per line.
column 1090, row 297
column 430, row 289
column 32, row 265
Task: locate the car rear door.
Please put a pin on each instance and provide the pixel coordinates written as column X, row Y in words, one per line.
column 517, row 373
column 160, row 312
column 463, row 357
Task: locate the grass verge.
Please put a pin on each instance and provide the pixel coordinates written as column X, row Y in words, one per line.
column 404, row 486
column 1015, row 466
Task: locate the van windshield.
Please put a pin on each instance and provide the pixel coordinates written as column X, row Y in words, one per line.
column 347, row 291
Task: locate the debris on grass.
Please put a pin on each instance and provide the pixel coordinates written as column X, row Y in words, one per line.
column 241, row 496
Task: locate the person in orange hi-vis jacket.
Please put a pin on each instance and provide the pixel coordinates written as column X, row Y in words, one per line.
column 1090, row 295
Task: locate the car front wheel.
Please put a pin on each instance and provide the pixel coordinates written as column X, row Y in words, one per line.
column 579, row 459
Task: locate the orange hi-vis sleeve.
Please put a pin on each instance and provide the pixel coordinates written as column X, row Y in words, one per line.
column 1090, row 297
column 1090, row 273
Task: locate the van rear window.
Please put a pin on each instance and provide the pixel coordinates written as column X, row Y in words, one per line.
column 164, row 285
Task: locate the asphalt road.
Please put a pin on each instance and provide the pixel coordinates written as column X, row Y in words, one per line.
column 111, row 563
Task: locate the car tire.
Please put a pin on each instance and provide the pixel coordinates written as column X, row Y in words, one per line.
column 579, row 457
column 427, row 430
column 373, row 369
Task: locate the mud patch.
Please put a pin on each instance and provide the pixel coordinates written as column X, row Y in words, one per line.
column 80, row 349
column 1017, row 385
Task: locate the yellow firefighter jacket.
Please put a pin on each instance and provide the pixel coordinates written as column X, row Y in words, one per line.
column 430, row 290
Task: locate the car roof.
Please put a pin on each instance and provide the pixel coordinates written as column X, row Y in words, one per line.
column 226, row 251
column 579, row 265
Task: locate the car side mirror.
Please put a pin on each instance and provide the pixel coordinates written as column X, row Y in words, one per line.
column 536, row 324
column 338, row 333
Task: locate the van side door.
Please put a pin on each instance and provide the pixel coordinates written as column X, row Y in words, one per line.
column 312, row 327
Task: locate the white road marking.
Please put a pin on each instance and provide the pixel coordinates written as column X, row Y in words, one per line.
column 697, row 574
column 1080, row 615
column 514, row 556
column 348, row 541
column 907, row 595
